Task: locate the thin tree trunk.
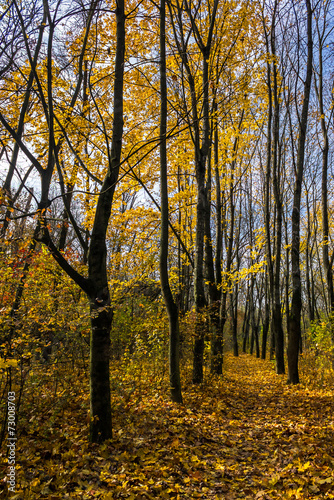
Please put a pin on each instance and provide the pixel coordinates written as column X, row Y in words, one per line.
column 214, row 293
column 277, row 313
column 172, row 309
column 245, row 325
column 296, row 303
column 266, row 322
column 324, row 187
column 20, row 129
column 308, row 257
column 287, row 277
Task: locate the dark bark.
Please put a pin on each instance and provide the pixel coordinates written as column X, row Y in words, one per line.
column 201, row 154
column 100, row 407
column 96, row 285
column 265, row 330
column 101, row 313
column 217, row 340
column 235, row 296
column 200, row 300
column 272, row 173
column 255, row 336
column 172, row 309
column 65, row 222
column 287, row 277
column 266, row 321
column 245, row 325
column 267, row 191
column 214, row 293
column 201, row 140
column 277, row 312
column 234, row 309
column 296, row 303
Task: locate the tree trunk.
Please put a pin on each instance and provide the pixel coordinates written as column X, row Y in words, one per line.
column 277, row 313
column 245, row 325
column 296, row 303
column 272, row 170
column 173, row 313
column 266, row 322
column 324, row 186
column 101, row 313
column 308, row 264
column 214, row 293
column 235, row 297
column 100, row 408
column 200, row 301
column 235, row 323
column 201, row 155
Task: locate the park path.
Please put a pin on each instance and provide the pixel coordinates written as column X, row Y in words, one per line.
column 247, row 435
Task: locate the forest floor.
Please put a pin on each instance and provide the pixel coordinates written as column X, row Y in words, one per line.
column 247, row 435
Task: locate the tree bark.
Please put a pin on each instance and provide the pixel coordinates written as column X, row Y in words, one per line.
column 296, row 303
column 101, row 312
column 327, row 262
column 217, row 341
column 172, row 309
column 277, row 312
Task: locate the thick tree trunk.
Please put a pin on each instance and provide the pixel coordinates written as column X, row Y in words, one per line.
column 101, row 313
column 214, row 293
column 100, row 409
column 96, row 285
column 201, row 154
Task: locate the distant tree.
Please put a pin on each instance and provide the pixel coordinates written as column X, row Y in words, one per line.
column 324, row 29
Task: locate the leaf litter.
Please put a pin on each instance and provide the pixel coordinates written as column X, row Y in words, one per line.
column 245, row 435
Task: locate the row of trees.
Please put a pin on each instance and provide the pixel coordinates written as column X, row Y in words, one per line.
column 203, row 129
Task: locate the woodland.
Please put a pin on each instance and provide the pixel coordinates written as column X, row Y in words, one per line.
column 166, row 249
